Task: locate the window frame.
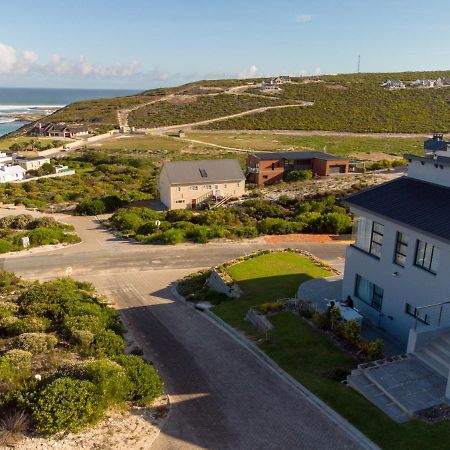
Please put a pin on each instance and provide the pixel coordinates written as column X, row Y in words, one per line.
column 376, row 301
column 400, row 246
column 427, row 267
column 373, row 242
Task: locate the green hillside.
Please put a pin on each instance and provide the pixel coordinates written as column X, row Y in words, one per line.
column 353, row 102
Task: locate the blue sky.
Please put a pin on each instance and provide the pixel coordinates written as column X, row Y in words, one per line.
column 143, row 44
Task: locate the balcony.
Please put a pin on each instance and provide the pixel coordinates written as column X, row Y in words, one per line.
column 252, row 169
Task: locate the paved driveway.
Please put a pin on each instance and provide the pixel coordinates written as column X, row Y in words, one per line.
column 223, row 396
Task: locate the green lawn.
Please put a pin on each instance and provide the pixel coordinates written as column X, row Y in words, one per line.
column 338, row 145
column 309, row 356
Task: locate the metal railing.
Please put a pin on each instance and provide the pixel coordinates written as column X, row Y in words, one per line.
column 425, row 319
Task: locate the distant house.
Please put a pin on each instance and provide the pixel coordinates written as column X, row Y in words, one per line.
column 436, row 144
column 11, row 173
column 192, row 184
column 59, row 130
column 5, row 159
column 30, row 163
column 393, row 84
column 181, row 134
column 281, row 79
column 270, row 86
column 268, row 167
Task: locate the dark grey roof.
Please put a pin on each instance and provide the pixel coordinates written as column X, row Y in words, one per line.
column 203, row 171
column 414, row 203
column 435, row 144
column 298, row 155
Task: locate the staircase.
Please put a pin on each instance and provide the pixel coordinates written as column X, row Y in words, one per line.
column 436, row 355
column 222, row 202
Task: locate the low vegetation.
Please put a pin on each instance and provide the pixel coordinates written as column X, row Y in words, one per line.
column 249, row 219
column 39, row 231
column 360, row 104
column 63, row 363
column 196, row 109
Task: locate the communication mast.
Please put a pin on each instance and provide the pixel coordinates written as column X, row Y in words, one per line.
column 359, row 64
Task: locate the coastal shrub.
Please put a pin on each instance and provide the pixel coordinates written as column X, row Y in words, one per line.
column 171, row 237
column 352, row 334
column 273, row 226
column 145, row 382
column 66, row 404
column 146, row 228
column 335, row 223
column 7, row 325
column 10, row 377
column 198, row 233
column 8, row 281
column 34, row 342
column 179, row 215
column 83, row 339
column 270, row 307
column 107, row 343
column 375, row 350
column 92, row 207
column 299, row 175
column 19, row 359
column 7, row 309
column 13, row 326
column 112, row 384
column 6, row 245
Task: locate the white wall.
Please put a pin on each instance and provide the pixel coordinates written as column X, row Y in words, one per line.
column 412, row 285
column 431, row 170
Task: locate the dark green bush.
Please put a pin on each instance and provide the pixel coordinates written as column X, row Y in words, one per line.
column 171, row 237
column 66, row 404
column 179, row 215
column 34, row 342
column 92, row 207
column 299, row 175
column 107, row 343
column 146, row 384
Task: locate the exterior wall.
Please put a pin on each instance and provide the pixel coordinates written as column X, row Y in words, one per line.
column 269, row 171
column 409, row 284
column 430, row 171
column 31, row 164
column 322, row 167
column 164, row 188
column 181, row 196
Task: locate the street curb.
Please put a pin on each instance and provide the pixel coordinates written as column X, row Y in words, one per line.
column 336, row 418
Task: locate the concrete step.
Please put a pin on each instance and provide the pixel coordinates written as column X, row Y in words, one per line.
column 443, row 347
column 359, row 381
column 433, row 360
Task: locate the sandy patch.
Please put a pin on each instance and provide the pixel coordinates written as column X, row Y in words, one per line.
column 135, row 429
column 375, row 156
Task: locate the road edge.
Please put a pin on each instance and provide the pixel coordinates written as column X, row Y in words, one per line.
column 335, row 417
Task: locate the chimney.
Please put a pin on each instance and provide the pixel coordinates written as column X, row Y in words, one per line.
column 438, row 136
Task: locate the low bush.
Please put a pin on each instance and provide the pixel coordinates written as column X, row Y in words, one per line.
column 270, row 307
column 299, row 175
column 66, row 404
column 145, row 382
column 352, row 334
column 13, row 326
column 19, row 359
column 171, row 237
column 112, row 384
column 107, row 343
column 34, row 342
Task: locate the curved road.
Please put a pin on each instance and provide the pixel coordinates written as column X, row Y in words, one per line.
column 223, row 396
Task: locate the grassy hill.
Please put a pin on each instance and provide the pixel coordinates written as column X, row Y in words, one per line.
column 353, row 102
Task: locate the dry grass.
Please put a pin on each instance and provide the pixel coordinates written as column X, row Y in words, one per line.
column 13, row 427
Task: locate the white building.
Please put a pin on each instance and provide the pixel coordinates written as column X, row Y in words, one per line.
column 11, row 173
column 397, row 271
column 30, row 163
column 5, row 159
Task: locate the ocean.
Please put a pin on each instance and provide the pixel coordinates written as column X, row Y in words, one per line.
column 16, row 101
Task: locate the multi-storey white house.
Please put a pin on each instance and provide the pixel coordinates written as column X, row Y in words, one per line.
column 398, row 270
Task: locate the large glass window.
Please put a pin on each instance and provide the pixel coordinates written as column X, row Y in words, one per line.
column 369, row 292
column 427, row 256
column 369, row 236
column 401, row 247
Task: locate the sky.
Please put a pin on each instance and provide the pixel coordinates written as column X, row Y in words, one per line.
column 140, row 44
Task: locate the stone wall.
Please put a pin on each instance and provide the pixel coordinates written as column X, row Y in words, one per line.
column 218, row 284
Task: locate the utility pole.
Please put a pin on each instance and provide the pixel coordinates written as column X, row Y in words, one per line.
column 359, row 64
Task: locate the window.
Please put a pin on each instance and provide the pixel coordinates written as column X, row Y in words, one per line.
column 369, row 236
column 216, row 186
column 376, row 239
column 369, row 292
column 238, row 184
column 179, row 201
column 193, row 188
column 420, row 315
column 427, row 256
column 207, row 187
column 401, row 248
column 225, row 186
column 178, row 188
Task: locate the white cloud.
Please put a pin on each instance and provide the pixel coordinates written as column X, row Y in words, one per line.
column 248, row 73
column 13, row 62
column 61, row 66
column 303, row 18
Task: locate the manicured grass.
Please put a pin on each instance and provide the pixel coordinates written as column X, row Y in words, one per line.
column 264, row 279
column 309, row 356
column 338, row 145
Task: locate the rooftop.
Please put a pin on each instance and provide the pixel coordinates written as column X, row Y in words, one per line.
column 298, row 155
column 203, row 171
column 411, row 202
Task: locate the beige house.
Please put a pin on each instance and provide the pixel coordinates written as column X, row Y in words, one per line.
column 192, row 184
column 30, row 163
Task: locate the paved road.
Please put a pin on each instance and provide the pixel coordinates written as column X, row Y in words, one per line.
column 223, row 396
